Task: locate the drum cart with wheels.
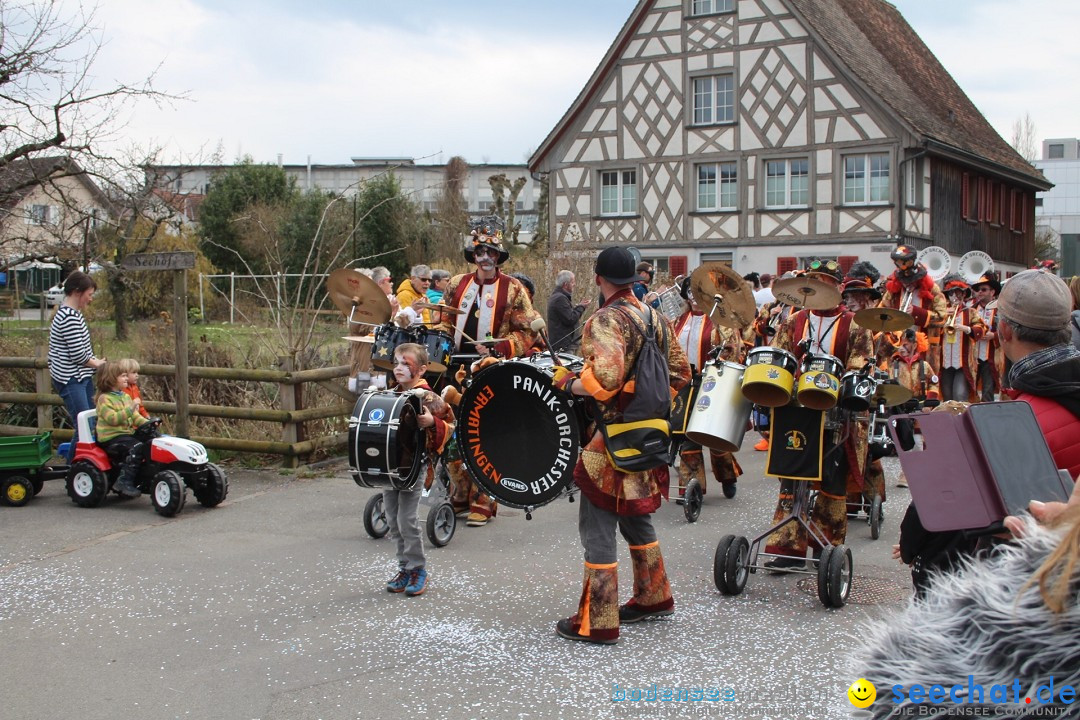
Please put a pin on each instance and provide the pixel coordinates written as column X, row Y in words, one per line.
column 441, row 523
column 23, row 471
column 736, row 557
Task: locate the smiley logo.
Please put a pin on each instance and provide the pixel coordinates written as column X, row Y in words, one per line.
column 862, row 693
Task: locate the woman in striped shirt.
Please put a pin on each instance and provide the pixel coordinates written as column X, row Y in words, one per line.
column 71, row 357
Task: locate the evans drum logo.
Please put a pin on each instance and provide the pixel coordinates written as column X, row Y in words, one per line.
column 514, row 484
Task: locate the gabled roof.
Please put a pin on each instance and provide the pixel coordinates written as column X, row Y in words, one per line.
column 871, row 39
column 876, row 44
column 21, row 176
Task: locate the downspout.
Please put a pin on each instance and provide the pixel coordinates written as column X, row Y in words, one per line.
column 902, row 189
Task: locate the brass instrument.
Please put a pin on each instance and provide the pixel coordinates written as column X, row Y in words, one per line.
column 905, row 301
column 672, row 306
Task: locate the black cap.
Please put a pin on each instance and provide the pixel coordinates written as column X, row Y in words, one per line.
column 616, row 265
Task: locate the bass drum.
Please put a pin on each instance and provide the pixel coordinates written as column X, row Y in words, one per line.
column 518, row 436
column 386, row 444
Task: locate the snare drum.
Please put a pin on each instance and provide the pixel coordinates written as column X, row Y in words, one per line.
column 769, row 376
column 719, row 412
column 385, row 442
column 518, row 436
column 388, row 337
column 819, row 382
column 438, row 345
column 856, row 390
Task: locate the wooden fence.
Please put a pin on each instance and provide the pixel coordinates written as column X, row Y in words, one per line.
column 295, row 446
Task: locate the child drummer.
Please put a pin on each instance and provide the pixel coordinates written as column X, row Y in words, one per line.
column 437, row 421
column 910, row 368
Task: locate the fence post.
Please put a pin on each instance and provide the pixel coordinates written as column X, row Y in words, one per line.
column 42, row 386
column 292, row 399
column 232, row 296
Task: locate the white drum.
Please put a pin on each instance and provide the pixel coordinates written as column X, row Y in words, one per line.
column 720, row 413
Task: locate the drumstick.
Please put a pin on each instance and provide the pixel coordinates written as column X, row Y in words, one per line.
column 537, row 326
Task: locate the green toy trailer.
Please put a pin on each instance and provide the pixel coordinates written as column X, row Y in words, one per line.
column 23, row 471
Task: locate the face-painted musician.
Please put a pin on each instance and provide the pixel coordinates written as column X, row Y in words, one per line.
column 819, row 332
column 963, row 329
column 911, row 289
column 698, row 336
column 493, row 305
column 611, row 498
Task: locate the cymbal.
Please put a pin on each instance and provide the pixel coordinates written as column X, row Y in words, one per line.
column 723, row 294
column 447, row 309
column 804, row 292
column 370, row 339
column 891, row 394
column 357, row 297
column 884, row 319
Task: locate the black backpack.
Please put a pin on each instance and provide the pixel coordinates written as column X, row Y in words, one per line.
column 641, row 440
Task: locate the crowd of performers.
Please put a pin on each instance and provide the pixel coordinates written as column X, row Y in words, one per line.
column 949, row 353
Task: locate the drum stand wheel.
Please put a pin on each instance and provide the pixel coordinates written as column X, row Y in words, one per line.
column 731, row 564
column 375, row 522
column 441, row 524
column 834, row 574
column 877, row 516
column 692, row 500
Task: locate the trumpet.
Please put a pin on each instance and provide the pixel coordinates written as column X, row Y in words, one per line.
column 905, row 301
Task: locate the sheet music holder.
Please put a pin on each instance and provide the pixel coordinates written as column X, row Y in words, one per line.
column 980, row 466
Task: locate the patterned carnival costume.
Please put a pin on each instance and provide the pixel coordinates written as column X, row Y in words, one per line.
column 912, row 290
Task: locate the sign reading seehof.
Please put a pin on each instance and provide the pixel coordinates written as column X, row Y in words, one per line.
column 517, row 435
column 179, row 260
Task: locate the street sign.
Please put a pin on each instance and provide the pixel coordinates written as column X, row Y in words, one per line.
column 180, row 260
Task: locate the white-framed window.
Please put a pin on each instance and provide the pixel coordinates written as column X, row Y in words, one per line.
column 914, row 183
column 711, row 7
column 618, row 192
column 787, row 183
column 866, row 179
column 718, row 186
column 661, row 263
column 41, row 215
column 714, row 99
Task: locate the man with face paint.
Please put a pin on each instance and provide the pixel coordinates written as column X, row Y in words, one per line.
column 988, row 354
column 912, row 290
column 437, row 421
column 963, row 329
column 698, row 336
column 493, row 305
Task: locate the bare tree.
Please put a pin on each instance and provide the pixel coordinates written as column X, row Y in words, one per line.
column 504, row 193
column 1025, row 139
column 451, row 219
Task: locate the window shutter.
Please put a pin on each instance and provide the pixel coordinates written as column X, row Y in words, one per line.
column 677, row 265
column 965, row 197
column 786, row 264
column 846, row 261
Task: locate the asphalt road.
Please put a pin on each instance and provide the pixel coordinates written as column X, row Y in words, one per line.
column 273, row 606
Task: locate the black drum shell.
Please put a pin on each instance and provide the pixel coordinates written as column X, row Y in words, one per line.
column 388, row 337
column 386, row 445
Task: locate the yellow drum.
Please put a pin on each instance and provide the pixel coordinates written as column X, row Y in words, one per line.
column 819, row 382
column 769, row 376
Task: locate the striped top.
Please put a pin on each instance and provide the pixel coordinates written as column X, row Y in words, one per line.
column 69, row 346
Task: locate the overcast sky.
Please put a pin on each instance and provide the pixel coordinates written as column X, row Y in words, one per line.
column 485, row 79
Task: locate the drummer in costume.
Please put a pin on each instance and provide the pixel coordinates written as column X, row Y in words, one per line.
column 860, row 292
column 611, row 498
column 988, row 354
column 492, row 305
column 819, row 332
column 698, row 336
column 963, row 329
column 912, row 290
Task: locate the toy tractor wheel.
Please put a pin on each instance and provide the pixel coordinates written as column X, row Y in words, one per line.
column 214, row 489
column 86, row 485
column 17, row 490
column 375, row 522
column 441, row 523
column 168, row 493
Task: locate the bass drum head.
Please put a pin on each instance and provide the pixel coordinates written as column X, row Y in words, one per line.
column 517, row 435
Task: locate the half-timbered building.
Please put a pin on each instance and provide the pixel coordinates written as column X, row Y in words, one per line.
column 766, row 132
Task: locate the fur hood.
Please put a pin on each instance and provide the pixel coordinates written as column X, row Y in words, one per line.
column 977, row 622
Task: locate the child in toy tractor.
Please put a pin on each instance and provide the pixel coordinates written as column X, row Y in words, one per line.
column 121, row 430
